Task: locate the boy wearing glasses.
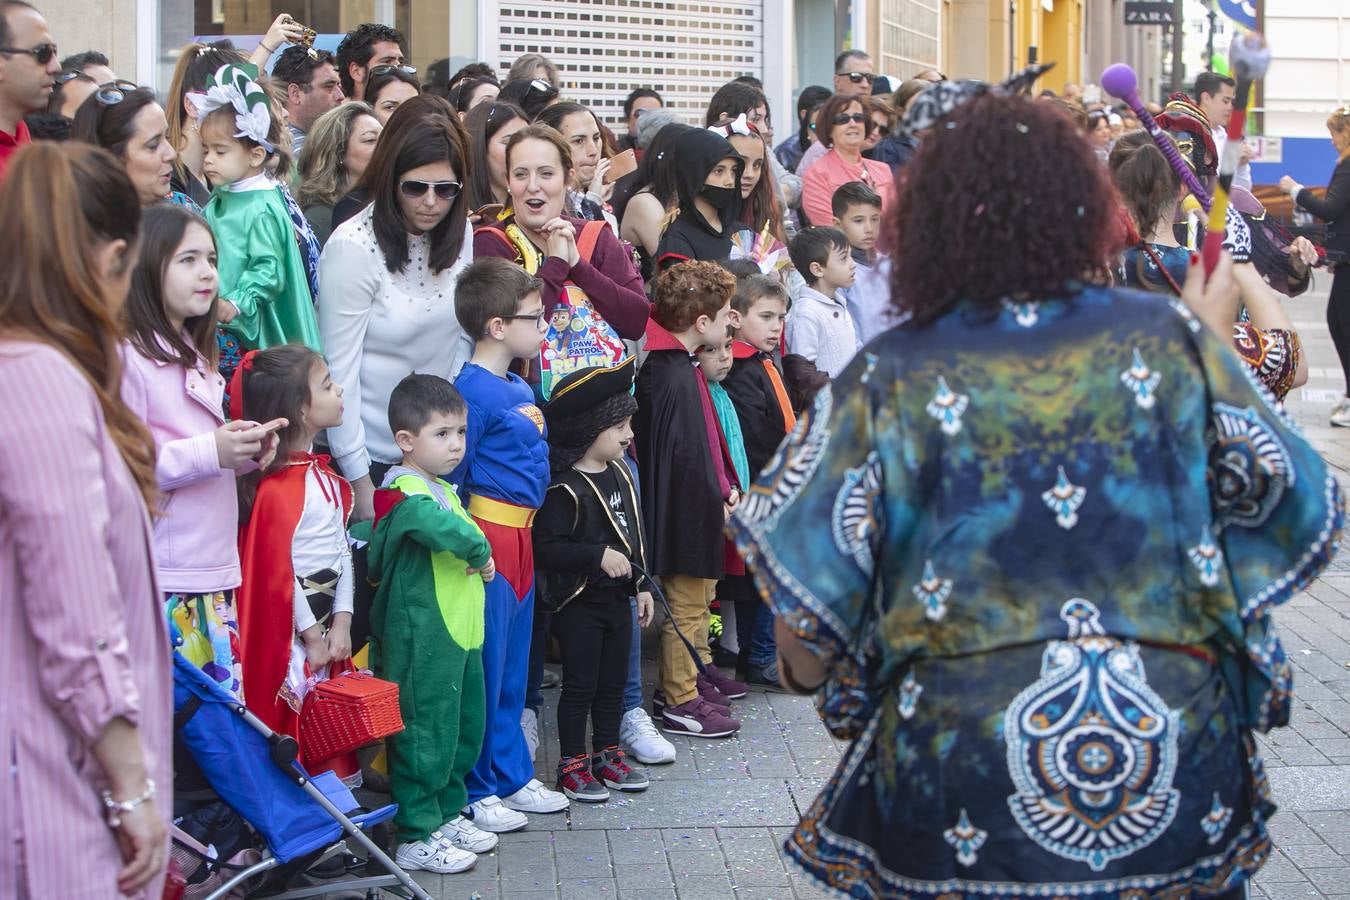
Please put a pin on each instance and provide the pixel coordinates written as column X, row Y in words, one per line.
column 504, row 476
column 28, row 70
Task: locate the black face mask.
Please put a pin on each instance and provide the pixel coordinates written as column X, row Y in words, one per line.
column 719, row 197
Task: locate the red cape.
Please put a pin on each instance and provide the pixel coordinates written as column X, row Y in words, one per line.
column 266, row 595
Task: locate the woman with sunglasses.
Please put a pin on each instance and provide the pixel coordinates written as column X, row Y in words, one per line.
column 387, row 285
column 532, row 95
column 842, row 126
column 389, row 87
column 126, row 121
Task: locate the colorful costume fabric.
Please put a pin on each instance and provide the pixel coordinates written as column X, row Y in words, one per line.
column 1054, row 540
column 204, row 628
column 1273, row 353
column 504, row 475
column 261, row 270
column 427, row 636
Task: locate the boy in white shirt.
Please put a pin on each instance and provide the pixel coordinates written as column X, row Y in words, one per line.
column 819, row 326
column 857, row 213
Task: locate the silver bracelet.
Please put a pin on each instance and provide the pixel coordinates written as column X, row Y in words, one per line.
column 116, row 809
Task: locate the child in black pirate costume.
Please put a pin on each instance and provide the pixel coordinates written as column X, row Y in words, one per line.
column 588, row 542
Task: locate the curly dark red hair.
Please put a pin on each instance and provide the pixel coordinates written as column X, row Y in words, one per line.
column 1003, row 198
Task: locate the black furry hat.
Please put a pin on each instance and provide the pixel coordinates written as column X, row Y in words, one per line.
column 584, row 404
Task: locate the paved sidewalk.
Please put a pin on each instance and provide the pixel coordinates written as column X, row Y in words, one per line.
column 711, row 824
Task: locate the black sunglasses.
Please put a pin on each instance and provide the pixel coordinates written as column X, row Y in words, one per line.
column 857, row 77
column 845, row 118
column 43, row 53
column 416, row 190
column 385, row 70
column 882, row 130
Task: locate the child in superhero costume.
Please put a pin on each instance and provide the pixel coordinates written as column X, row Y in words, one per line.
column 430, row 561
column 504, row 475
column 295, row 600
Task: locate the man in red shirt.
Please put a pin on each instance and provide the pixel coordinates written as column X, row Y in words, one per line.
column 28, row 70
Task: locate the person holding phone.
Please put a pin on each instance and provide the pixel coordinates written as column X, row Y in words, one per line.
column 171, row 383
column 593, row 185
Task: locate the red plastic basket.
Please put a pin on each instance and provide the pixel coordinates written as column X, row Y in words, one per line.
column 347, row 712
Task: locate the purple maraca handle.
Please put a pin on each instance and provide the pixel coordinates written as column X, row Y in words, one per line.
column 1120, row 81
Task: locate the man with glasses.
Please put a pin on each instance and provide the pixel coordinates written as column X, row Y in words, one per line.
column 853, row 73
column 312, row 88
column 366, row 46
column 28, row 70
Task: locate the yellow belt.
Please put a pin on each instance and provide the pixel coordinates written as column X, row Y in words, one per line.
column 499, row 513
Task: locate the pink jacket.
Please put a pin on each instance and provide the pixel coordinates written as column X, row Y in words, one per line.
column 83, row 638
column 196, row 536
column 830, row 173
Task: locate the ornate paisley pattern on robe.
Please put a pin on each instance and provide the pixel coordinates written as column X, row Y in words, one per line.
column 1037, row 547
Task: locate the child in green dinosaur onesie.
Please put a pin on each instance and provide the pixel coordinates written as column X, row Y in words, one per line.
column 429, row 561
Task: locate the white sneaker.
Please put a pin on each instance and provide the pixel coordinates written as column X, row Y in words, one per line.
column 489, row 814
column 460, row 832
column 535, row 798
column 648, row 746
column 1340, row 413
column 433, row 856
column 529, row 723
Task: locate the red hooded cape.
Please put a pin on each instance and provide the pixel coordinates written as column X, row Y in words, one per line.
column 266, row 595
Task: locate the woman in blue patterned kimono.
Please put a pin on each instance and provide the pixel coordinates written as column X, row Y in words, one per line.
column 1061, row 515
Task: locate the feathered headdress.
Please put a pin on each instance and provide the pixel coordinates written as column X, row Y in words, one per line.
column 235, row 85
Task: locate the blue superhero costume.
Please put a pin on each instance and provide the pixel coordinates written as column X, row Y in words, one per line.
column 503, row 477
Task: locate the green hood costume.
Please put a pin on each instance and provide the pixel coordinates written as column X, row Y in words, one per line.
column 427, row 635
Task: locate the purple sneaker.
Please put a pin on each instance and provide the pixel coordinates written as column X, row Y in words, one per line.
column 730, row 688
column 698, row 718
column 659, row 701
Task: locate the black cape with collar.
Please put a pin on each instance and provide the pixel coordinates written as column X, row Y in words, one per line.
column 762, row 425
column 681, row 496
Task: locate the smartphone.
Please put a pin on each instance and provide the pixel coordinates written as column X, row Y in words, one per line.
column 623, row 164
column 488, row 212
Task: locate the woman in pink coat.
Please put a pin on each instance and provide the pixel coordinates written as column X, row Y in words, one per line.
column 842, row 124
column 85, row 726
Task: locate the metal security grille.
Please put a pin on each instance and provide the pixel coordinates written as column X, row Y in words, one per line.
column 605, row 48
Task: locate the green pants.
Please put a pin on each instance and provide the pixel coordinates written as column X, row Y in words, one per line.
column 441, row 699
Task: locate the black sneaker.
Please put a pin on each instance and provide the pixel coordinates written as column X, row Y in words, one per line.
column 611, row 767
column 576, row 781
column 765, row 678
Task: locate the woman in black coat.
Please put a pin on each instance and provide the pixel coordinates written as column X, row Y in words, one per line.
column 1334, row 209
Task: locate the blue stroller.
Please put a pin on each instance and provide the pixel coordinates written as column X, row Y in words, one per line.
column 303, row 819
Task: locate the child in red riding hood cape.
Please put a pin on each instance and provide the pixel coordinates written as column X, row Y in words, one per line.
column 295, row 602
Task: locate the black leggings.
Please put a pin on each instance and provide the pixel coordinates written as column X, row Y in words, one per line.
column 595, row 633
column 1338, row 319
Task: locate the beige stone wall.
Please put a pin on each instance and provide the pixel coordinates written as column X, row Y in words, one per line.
column 106, row 25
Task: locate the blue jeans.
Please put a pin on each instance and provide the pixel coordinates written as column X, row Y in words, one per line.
column 754, row 621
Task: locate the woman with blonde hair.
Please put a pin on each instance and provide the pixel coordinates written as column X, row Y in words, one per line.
column 1334, row 209
column 86, row 722
column 337, row 152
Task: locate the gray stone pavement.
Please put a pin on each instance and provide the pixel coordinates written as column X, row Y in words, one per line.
column 711, row 824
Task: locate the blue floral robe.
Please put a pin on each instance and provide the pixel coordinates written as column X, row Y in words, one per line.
column 1056, row 535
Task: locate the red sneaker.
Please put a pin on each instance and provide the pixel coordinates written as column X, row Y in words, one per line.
column 610, row 766
column 576, row 781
